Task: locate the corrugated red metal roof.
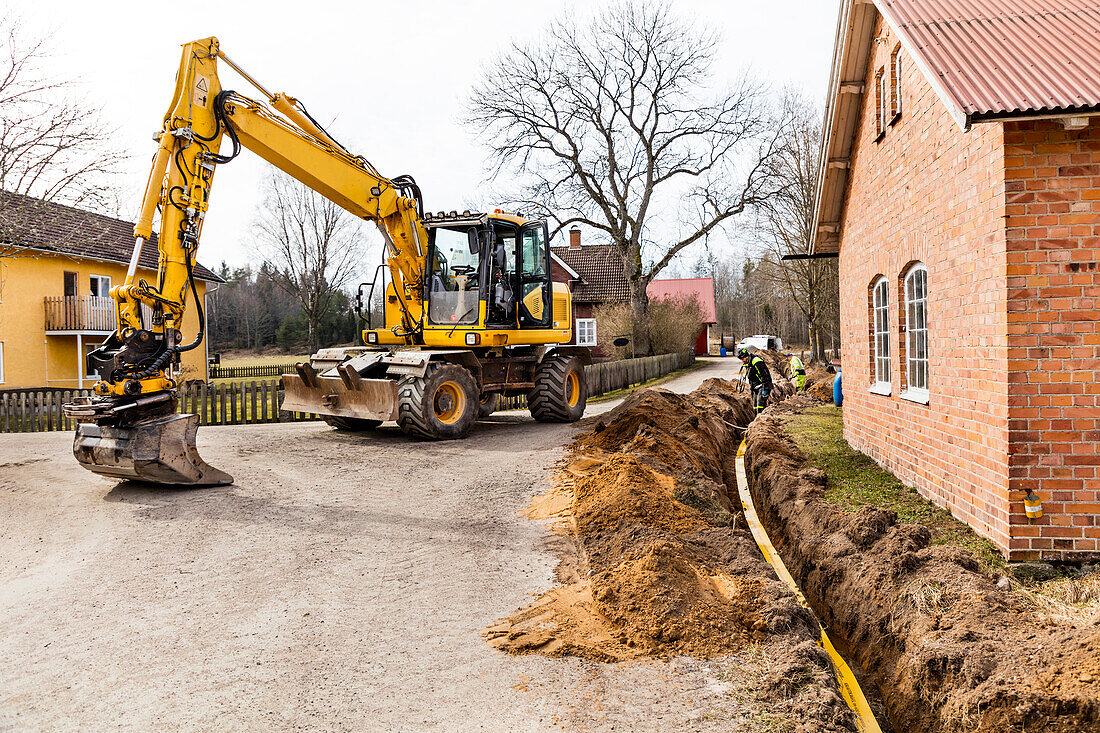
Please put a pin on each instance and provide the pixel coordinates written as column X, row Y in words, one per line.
column 701, row 287
column 1003, row 57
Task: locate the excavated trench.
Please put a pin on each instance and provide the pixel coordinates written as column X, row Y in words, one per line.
column 946, row 649
column 657, row 561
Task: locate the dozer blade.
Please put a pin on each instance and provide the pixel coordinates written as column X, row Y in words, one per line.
column 347, row 396
column 159, row 450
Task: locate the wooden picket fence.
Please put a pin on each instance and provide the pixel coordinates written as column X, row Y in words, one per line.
column 32, row 412
column 608, row 376
column 29, row 411
column 240, row 403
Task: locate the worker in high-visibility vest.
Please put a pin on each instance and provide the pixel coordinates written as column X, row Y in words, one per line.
column 760, row 378
column 798, row 372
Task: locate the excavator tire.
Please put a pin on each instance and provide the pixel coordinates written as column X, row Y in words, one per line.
column 560, row 393
column 351, row 424
column 441, row 405
column 490, row 403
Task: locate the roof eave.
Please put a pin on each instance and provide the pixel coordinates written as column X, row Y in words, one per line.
column 58, row 253
column 843, row 49
column 840, row 54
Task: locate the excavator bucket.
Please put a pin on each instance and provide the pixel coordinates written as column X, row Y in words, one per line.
column 159, row 450
column 348, row 395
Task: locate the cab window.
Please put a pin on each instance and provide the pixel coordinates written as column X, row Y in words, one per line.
column 454, row 287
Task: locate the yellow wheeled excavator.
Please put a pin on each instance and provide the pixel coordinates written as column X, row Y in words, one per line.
column 471, row 312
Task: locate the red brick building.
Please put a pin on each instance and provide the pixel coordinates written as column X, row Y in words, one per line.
column 594, row 273
column 960, row 184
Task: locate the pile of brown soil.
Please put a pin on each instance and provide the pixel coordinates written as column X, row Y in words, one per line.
column 662, row 561
column 820, row 385
column 947, row 649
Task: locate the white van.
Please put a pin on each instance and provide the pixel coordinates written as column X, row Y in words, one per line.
column 762, row 341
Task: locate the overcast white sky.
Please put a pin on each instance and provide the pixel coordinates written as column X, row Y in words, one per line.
column 391, row 77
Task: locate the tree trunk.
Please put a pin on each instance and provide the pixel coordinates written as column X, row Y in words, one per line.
column 639, row 308
column 311, row 342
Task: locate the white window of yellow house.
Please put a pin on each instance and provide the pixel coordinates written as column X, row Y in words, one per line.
column 916, row 330
column 100, row 286
column 895, row 84
column 1, row 362
column 880, row 310
column 88, row 348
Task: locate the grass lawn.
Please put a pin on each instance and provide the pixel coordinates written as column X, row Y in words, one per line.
column 856, row 481
column 254, row 360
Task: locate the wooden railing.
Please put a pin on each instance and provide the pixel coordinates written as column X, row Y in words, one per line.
column 80, row 313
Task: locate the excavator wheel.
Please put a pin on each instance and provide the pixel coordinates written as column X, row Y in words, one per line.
column 560, row 393
column 490, row 403
column 351, row 424
column 441, row 405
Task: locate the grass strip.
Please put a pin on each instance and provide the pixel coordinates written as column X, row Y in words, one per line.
column 856, row 481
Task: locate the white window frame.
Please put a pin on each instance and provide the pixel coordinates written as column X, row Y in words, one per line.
column 87, row 347
column 100, row 277
column 880, row 323
column 916, row 333
column 582, row 338
column 895, row 97
column 882, row 97
column 1, row 362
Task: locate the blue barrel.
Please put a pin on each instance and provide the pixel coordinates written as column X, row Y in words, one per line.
column 838, row 389
column 722, row 351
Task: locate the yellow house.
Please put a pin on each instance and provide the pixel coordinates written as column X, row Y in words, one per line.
column 57, row 264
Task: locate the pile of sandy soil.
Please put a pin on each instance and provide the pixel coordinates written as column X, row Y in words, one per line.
column 661, row 562
column 947, row 648
column 819, row 384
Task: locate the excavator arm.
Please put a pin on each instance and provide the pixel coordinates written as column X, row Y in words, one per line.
column 129, row 429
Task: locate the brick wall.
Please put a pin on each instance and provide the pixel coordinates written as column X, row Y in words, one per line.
column 1053, row 243
column 927, row 192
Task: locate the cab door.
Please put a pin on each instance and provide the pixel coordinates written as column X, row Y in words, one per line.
column 535, row 299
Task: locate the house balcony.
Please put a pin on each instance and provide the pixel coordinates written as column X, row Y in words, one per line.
column 85, row 314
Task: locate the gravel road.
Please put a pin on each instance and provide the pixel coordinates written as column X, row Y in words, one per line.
column 340, row 584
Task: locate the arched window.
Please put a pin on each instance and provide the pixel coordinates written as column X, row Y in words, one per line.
column 880, row 312
column 916, row 329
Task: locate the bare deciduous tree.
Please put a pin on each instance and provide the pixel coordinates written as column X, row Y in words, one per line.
column 608, row 124
column 53, row 145
column 786, row 228
column 315, row 247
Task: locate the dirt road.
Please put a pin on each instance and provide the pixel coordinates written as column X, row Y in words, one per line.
column 341, row 584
